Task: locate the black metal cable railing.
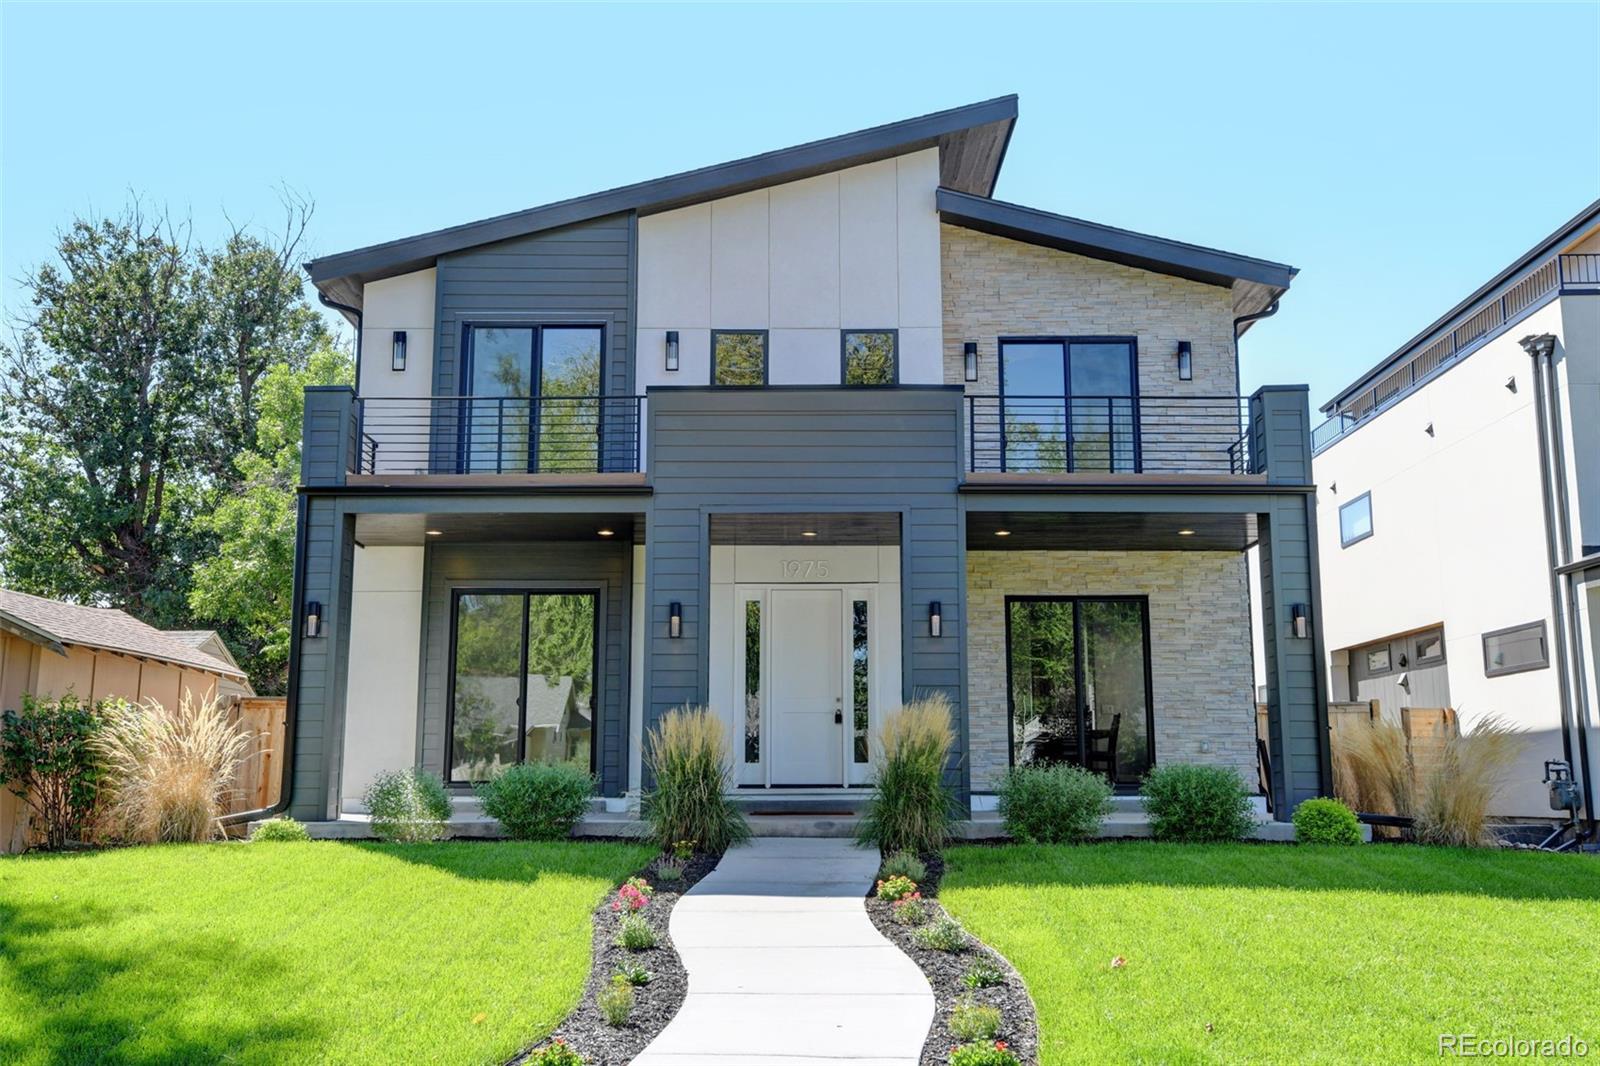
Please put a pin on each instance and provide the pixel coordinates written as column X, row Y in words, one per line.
column 1108, row 434
column 499, row 435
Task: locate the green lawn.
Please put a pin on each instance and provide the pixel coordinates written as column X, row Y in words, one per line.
column 296, row 953
column 1240, row 953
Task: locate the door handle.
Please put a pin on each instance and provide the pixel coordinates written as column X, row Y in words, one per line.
column 838, row 718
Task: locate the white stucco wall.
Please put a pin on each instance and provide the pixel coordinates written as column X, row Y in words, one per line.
column 383, row 675
column 1458, row 538
column 403, row 302
column 854, row 249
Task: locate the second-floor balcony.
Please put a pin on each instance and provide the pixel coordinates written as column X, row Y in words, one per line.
column 1078, row 434
column 498, row 435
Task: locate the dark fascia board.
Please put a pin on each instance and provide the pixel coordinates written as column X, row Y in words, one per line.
column 335, row 273
column 1543, row 250
column 10, row 623
column 1097, row 241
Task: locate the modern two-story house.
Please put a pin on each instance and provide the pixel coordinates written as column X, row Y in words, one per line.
column 801, row 437
column 1459, row 482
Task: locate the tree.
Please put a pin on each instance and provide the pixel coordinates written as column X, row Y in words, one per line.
column 246, row 585
column 99, row 416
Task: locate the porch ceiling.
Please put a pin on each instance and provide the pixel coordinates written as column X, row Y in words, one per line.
column 1127, row 531
column 818, row 527
column 384, row 530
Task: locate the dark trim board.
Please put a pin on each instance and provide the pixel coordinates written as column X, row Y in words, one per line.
column 1210, row 266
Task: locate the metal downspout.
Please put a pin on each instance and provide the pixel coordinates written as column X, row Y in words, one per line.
column 291, row 698
column 1541, row 349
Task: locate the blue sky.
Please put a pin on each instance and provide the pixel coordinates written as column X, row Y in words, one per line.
column 1399, row 156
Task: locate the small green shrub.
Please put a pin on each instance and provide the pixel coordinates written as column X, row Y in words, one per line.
column 1193, row 804
column 896, row 888
column 693, row 766
column 49, row 757
column 669, row 871
column 944, row 933
column 970, row 1020
column 911, row 808
column 1326, row 821
column 634, row 974
column 635, row 934
column 556, row 1053
column 616, row 1001
column 904, row 864
column 983, row 975
column 280, row 830
column 995, row 1054
column 682, row 850
column 407, row 806
column 909, row 911
column 537, row 801
column 1053, row 804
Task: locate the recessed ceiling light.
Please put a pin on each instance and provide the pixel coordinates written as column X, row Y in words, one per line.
column 1002, row 532
column 606, row 532
column 808, row 532
column 435, row 532
column 1185, row 532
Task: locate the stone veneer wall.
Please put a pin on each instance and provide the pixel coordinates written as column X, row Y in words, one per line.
column 995, row 287
column 1200, row 660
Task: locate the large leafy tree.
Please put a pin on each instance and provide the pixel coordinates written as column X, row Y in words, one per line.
column 130, row 396
column 246, row 584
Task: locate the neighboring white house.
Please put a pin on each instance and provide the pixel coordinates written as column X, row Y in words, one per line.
column 1458, row 502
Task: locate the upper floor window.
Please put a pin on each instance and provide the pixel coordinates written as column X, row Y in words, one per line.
column 739, row 357
column 530, row 398
column 1355, row 520
column 870, row 357
column 1067, row 403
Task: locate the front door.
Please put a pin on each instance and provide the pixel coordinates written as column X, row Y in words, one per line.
column 806, row 701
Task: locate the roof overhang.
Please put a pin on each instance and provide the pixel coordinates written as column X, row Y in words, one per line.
column 10, row 623
column 972, row 143
column 1255, row 283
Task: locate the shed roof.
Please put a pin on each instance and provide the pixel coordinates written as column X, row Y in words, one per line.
column 57, row 626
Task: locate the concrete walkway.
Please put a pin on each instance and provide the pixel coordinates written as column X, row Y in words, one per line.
column 785, row 969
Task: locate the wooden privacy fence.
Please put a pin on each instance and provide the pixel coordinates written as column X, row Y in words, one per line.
column 259, row 779
column 1426, row 730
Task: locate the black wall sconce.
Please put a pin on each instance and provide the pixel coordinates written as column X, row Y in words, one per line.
column 969, row 360
column 935, row 619
column 675, row 620
column 1299, row 621
column 1185, row 361
column 313, row 619
column 672, row 350
column 397, row 359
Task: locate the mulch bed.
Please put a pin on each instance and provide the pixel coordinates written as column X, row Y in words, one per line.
column 1019, row 1027
column 585, row 1029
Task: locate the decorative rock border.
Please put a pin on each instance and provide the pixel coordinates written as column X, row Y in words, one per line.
column 945, row 970
column 585, row 1029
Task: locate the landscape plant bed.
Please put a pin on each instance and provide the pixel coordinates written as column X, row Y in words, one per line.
column 946, row 972
column 585, row 1030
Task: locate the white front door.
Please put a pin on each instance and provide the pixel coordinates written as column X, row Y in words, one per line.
column 806, row 694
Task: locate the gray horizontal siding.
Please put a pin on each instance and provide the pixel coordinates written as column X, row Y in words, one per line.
column 327, row 570
column 580, row 272
column 796, row 450
column 604, row 568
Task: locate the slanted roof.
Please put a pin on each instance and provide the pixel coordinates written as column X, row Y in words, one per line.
column 971, row 140
column 1256, row 283
column 1561, row 238
column 57, row 626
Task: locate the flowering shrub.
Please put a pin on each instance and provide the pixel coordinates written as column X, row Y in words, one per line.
column 635, row 933
column 616, row 1001
column 557, row 1053
column 970, row 1020
column 910, row 911
column 943, row 934
column 682, row 850
column 633, row 896
column 669, row 870
column 995, row 1054
column 896, row 888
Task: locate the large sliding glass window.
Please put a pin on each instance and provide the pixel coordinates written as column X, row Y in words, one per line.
column 1069, row 404
column 521, row 681
column 1079, row 683
column 531, row 399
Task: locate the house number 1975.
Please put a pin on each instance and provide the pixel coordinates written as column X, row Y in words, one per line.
column 804, row 569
